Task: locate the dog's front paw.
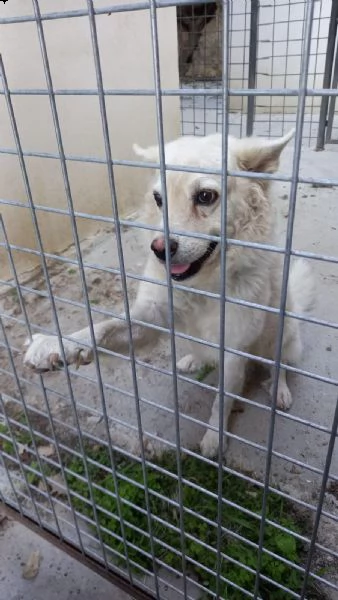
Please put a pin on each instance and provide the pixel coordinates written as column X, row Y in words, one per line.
column 44, row 353
column 189, row 364
column 209, row 444
column 284, row 397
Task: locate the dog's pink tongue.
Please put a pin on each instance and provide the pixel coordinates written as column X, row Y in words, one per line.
column 177, row 269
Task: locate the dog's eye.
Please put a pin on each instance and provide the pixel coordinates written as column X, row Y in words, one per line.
column 205, row 197
column 158, row 199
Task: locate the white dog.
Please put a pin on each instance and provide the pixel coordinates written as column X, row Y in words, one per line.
column 252, row 275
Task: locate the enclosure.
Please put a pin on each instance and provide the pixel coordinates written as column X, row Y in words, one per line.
column 104, row 460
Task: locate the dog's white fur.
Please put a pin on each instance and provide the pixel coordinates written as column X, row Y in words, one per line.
column 252, row 275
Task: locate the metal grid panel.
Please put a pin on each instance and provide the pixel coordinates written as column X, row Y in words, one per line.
column 275, row 49
column 40, row 483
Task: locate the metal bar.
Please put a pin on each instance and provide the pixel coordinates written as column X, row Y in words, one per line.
column 27, row 417
column 198, row 384
column 134, row 276
column 108, row 153
column 22, row 470
column 262, row 360
column 212, row 238
column 5, row 499
column 320, row 181
column 332, row 100
column 197, row 421
column 190, row 418
column 107, row 10
column 331, row 42
column 34, row 221
column 320, row 502
column 223, row 246
column 273, row 36
column 41, row 384
column 261, row 92
column 286, row 267
column 317, row 56
column 171, row 311
column 186, row 482
column 81, row 271
column 191, row 484
column 176, row 446
column 253, row 46
column 287, row 53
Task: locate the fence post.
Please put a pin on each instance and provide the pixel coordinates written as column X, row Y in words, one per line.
column 252, row 64
column 331, row 42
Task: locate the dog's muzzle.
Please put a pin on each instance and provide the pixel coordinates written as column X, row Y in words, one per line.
column 158, row 247
column 180, row 271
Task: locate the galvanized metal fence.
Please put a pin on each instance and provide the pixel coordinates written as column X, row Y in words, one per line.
column 264, row 52
column 137, row 518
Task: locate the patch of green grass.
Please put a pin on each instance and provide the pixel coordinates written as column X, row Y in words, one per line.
column 198, row 532
column 204, row 372
column 21, row 435
column 200, row 518
column 5, row 445
column 23, row 438
column 71, row 271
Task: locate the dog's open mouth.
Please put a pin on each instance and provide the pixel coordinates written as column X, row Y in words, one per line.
column 182, row 271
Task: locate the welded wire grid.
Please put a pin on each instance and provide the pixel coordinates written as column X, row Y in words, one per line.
column 271, row 57
column 34, row 489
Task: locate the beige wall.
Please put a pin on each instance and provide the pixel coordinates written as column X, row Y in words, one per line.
column 126, row 56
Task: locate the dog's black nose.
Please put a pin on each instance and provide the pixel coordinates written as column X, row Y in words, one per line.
column 158, row 247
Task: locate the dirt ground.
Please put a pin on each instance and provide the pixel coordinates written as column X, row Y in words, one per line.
column 301, row 436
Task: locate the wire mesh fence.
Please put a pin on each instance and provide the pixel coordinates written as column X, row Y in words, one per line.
column 265, row 50
column 104, row 453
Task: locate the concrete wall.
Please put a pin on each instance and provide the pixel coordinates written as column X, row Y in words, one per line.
column 126, row 56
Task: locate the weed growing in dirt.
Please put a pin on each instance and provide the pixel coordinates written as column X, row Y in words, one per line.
column 240, row 519
column 200, row 528
column 204, row 372
column 22, row 437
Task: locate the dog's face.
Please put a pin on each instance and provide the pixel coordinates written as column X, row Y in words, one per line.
column 194, row 199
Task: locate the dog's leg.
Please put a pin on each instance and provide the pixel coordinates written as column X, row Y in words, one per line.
column 234, row 372
column 284, row 396
column 44, row 353
column 291, row 354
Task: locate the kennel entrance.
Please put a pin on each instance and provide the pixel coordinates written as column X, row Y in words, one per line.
column 78, row 447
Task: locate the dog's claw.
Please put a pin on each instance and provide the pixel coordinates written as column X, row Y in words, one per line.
column 55, row 362
column 43, row 354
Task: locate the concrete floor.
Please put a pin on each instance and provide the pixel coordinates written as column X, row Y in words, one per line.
column 60, row 577
column 300, row 444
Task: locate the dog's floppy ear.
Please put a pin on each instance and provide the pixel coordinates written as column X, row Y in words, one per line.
column 260, row 155
column 151, row 154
